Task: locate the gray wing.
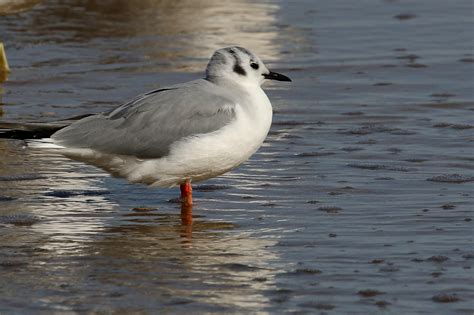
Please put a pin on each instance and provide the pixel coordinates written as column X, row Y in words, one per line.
column 147, row 126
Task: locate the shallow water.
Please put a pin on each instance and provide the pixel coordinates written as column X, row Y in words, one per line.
column 359, row 202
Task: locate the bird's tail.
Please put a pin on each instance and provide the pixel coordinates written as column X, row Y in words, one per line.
column 34, row 130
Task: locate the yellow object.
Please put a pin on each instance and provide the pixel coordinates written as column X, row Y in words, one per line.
column 4, row 68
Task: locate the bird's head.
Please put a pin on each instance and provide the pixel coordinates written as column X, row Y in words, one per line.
column 239, row 65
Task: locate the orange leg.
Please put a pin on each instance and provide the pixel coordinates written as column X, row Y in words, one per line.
column 187, row 192
column 187, row 203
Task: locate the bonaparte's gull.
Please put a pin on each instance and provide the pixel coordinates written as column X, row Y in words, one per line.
column 182, row 133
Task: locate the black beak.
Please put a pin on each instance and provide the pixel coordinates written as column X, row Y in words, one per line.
column 276, row 76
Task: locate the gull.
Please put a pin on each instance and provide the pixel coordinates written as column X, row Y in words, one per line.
column 175, row 135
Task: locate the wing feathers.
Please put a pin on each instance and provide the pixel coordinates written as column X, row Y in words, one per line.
column 147, row 126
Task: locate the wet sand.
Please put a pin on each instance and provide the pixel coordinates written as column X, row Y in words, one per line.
column 359, row 202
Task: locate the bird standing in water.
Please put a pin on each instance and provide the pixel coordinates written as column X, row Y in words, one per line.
column 179, row 134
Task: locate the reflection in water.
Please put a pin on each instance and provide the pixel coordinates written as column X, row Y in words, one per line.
column 65, row 196
column 164, row 31
column 4, row 68
column 215, row 268
column 186, row 214
column 16, row 6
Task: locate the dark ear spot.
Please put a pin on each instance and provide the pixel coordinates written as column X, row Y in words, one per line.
column 238, row 69
column 254, row 65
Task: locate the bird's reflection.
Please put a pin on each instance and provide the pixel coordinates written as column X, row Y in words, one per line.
column 218, row 267
column 187, row 215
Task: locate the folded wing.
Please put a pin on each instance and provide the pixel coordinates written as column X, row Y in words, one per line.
column 148, row 126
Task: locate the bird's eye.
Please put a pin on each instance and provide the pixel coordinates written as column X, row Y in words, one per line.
column 254, row 65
